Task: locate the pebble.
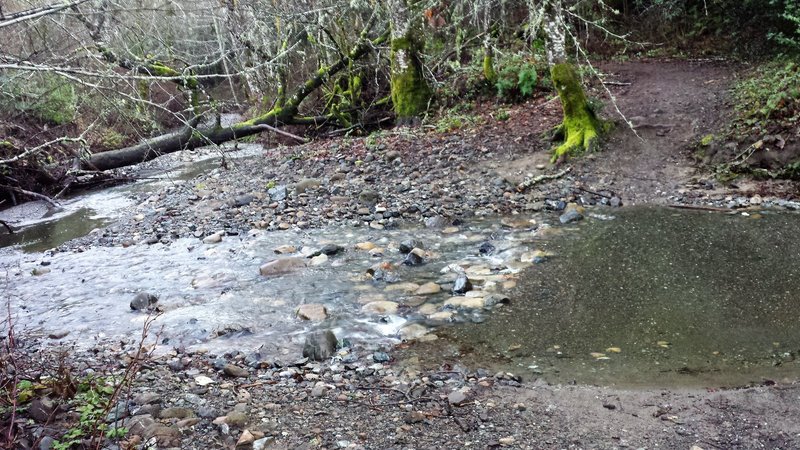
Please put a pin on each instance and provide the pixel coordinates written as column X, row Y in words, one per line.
column 235, row 371
column 314, row 312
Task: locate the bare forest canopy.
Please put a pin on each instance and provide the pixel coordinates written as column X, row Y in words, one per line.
column 91, row 85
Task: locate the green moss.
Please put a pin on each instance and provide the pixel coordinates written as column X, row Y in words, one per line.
column 581, row 128
column 161, row 70
column 707, row 140
column 410, row 91
column 488, row 68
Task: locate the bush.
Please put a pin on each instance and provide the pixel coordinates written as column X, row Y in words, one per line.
column 517, row 78
column 44, row 96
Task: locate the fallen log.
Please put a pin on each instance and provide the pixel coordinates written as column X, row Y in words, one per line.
column 189, row 137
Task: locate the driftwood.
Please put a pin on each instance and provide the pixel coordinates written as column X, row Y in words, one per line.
column 540, row 178
column 189, row 137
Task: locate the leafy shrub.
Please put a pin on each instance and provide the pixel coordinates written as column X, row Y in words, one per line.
column 791, row 13
column 774, row 94
column 44, row 96
column 517, row 78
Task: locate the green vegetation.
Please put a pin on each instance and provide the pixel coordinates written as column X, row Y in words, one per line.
column 45, row 96
column 772, row 95
column 517, row 78
column 92, row 402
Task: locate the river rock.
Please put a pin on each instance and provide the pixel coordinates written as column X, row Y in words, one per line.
column 331, row 249
column 176, row 413
column 277, row 194
column 428, row 289
column 235, row 371
column 368, row 197
column 462, row 284
column 243, row 200
column 465, row 302
column 42, row 409
column 143, row 301
column 320, row 345
column 282, row 266
column 245, row 440
column 413, row 331
column 410, row 244
column 456, row 398
column 495, row 299
column 380, row 307
column 572, row 213
column 319, row 260
column 366, row 246
column 437, row 222
column 615, row 201
column 314, row 312
column 413, row 259
column 486, row 248
column 381, row 357
column 285, row 249
column 402, row 287
column 213, row 238
column 306, row 184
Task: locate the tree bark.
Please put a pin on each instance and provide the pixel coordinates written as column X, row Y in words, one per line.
column 580, row 128
column 189, row 137
column 410, row 91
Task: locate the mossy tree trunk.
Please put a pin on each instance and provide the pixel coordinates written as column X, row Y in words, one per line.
column 410, row 91
column 580, row 128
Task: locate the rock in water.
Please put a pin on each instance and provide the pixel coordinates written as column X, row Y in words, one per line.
column 282, row 266
column 572, row 213
column 320, row 345
column 314, row 312
column 143, row 301
column 411, row 244
column 413, row 259
column 462, row 284
column 486, row 249
column 437, row 222
column 331, row 249
column 570, row 216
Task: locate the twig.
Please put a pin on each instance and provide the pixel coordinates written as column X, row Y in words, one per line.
column 538, row 179
column 701, row 208
column 616, row 83
column 282, row 133
column 594, row 193
column 32, row 194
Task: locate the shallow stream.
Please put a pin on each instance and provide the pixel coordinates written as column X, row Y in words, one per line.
column 631, row 296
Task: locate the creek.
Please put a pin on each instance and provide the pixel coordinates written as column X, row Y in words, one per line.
column 630, row 297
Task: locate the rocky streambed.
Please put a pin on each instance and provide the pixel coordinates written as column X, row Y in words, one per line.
column 462, row 309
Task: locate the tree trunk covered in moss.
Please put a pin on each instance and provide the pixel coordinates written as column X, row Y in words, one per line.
column 410, row 91
column 580, row 128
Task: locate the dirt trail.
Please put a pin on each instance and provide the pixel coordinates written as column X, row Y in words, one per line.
column 671, row 106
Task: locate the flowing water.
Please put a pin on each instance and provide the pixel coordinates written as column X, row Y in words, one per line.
column 650, row 296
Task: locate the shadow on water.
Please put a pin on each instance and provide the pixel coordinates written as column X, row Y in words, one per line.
column 656, row 297
column 48, row 234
